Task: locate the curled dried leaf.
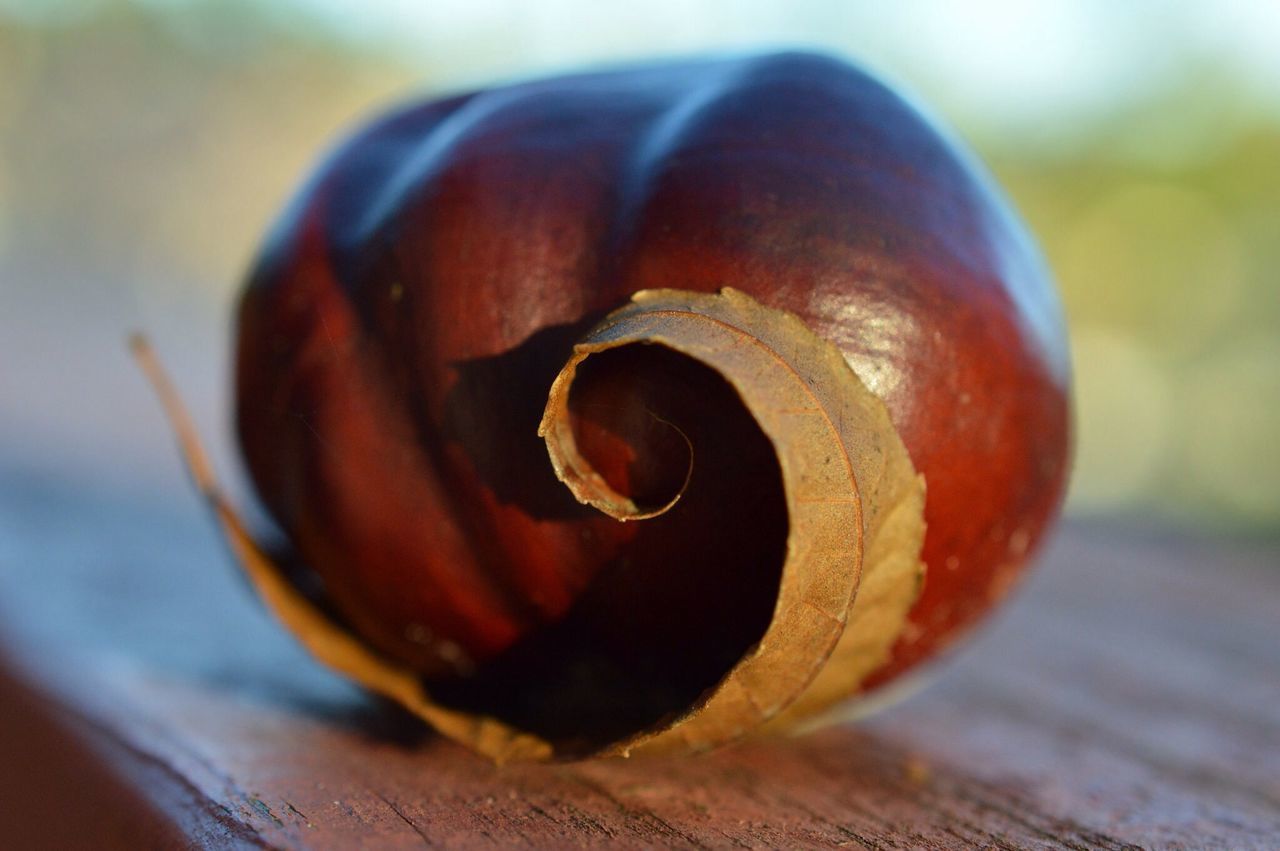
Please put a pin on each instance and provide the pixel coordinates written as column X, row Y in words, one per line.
column 854, row 524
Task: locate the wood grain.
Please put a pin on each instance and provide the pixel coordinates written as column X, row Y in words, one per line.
column 1129, row 697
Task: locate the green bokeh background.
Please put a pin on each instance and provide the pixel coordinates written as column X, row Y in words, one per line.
column 144, row 147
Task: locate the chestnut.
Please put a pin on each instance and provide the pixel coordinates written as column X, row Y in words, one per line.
column 799, row 371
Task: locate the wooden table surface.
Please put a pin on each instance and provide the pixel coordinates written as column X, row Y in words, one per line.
column 1130, row 695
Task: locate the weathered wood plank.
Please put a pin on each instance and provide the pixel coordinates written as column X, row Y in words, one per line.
column 1130, row 696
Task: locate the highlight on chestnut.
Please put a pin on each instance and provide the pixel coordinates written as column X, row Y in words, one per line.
column 642, row 409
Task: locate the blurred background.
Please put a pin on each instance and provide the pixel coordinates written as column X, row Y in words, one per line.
column 146, row 144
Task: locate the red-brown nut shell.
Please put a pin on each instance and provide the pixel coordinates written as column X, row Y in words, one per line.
column 393, row 439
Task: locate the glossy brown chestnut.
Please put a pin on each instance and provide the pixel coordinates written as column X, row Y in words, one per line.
column 411, row 310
